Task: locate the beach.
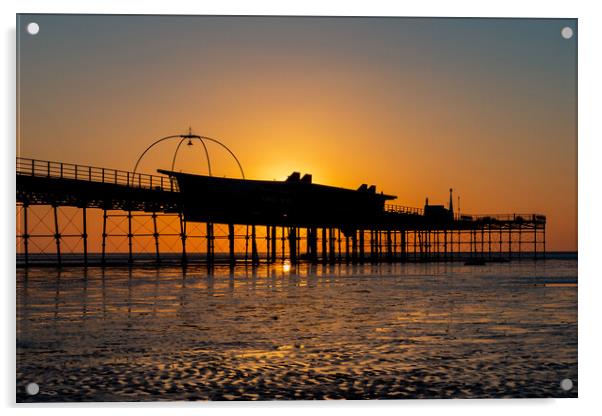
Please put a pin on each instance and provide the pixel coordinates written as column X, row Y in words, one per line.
column 371, row 331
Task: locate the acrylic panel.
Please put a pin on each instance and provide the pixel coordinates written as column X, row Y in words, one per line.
column 295, row 208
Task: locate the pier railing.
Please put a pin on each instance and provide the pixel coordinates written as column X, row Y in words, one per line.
column 400, row 209
column 515, row 218
column 59, row 170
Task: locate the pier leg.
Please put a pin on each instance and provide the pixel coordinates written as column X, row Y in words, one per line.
column 403, row 245
column 544, row 241
column 25, row 234
column 489, row 240
column 362, row 254
column 209, row 243
column 501, row 237
column 282, row 240
column 130, row 236
column 254, row 254
column 324, row 251
column 57, row 234
column 459, row 243
column 183, row 237
column 451, row 244
column 354, row 246
column 445, row 258
column 331, row 242
column 471, row 243
column 85, row 234
column 292, row 242
column 339, row 243
column 535, row 241
column 510, row 242
column 232, row 257
column 267, row 243
column 104, row 235
column 247, row 243
column 389, row 247
column 156, row 237
column 347, row 255
column 274, row 240
column 371, row 245
column 520, row 234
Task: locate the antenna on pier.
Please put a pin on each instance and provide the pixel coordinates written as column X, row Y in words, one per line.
column 458, row 205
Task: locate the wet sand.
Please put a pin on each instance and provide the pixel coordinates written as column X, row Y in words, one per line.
column 387, row 331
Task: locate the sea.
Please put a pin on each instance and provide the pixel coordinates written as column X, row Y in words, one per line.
column 297, row 332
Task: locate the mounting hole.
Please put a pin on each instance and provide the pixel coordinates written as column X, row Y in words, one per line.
column 566, row 32
column 33, row 28
column 566, row 384
column 32, row 389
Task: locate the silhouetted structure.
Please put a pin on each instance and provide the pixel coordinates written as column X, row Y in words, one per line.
column 310, row 221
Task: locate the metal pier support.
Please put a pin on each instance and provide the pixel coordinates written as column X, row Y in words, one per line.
column 57, row 234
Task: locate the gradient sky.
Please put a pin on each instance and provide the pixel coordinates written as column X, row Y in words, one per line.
column 413, row 105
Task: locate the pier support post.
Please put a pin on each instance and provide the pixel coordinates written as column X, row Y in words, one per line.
column 339, row 244
column 362, row 254
column 445, row 258
column 25, row 234
column 324, row 252
column 354, row 246
column 274, row 240
column 544, row 241
column 130, row 235
column 283, row 240
column 85, row 234
column 520, row 234
column 535, row 241
column 403, row 243
column 510, row 241
column 156, row 237
column 489, row 240
column 210, row 257
column 292, row 243
column 183, row 237
column 254, row 254
column 347, row 256
column 389, row 247
column 104, row 236
column 371, row 244
column 331, row 245
column 232, row 257
column 267, row 244
column 57, row 234
column 501, row 238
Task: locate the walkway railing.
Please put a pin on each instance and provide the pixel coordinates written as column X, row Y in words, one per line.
column 400, row 209
column 59, row 170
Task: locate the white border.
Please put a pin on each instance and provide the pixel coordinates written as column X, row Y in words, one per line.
column 590, row 202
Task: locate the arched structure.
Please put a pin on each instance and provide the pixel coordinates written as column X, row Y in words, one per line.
column 190, row 137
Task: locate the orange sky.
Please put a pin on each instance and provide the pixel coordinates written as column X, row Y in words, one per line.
column 414, row 106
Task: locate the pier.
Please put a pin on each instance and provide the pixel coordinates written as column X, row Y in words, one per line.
column 141, row 209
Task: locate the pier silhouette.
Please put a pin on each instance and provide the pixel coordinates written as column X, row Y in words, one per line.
column 294, row 219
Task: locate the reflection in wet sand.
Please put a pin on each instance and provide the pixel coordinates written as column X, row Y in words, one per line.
column 312, row 332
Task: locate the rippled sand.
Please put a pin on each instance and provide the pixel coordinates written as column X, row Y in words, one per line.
column 316, row 332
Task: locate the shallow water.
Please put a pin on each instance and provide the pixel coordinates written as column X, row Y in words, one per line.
column 385, row 331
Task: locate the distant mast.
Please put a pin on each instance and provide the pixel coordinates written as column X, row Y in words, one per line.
column 451, row 202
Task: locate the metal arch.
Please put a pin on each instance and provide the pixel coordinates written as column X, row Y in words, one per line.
column 173, row 162
column 229, row 151
column 149, row 147
column 191, row 136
